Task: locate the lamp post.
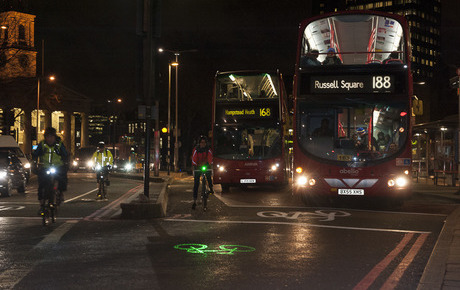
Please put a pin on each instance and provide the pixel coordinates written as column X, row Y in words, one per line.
column 113, row 126
column 169, row 114
column 176, row 143
column 51, row 78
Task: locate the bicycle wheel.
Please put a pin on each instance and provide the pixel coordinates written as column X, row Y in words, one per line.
column 204, row 193
column 45, row 216
column 104, row 189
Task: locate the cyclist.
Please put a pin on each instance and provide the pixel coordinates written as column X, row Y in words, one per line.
column 102, row 159
column 202, row 155
column 51, row 152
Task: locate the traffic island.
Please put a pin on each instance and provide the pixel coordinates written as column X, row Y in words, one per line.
column 142, row 207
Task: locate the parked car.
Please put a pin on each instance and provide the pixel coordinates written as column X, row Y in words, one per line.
column 8, row 144
column 82, row 159
column 12, row 174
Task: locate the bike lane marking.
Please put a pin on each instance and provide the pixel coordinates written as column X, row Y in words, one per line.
column 113, row 206
column 297, row 224
column 81, row 195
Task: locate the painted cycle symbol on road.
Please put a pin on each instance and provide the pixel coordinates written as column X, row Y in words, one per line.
column 12, row 207
column 321, row 215
column 222, row 250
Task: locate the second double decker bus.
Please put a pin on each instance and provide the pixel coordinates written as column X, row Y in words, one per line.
column 352, row 91
column 249, row 126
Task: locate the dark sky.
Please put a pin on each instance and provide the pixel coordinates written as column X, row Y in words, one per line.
column 91, row 44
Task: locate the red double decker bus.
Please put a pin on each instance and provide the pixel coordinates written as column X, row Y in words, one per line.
column 249, row 129
column 352, row 99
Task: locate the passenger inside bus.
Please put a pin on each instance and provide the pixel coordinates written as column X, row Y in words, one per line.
column 311, row 58
column 324, row 130
column 392, row 58
column 332, row 58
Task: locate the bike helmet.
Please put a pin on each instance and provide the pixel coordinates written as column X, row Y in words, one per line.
column 50, row 131
column 101, row 144
column 202, row 137
column 360, row 130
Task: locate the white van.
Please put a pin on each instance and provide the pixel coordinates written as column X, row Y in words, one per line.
column 7, row 143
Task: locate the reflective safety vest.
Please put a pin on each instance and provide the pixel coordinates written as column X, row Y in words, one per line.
column 103, row 158
column 51, row 155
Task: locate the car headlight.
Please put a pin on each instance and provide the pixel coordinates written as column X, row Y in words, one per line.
column 90, row 163
column 2, row 174
column 75, row 163
column 275, row 166
column 115, row 166
column 128, row 166
column 27, row 165
column 221, row 168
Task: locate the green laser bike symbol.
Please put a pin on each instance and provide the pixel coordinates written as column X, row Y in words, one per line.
column 222, row 250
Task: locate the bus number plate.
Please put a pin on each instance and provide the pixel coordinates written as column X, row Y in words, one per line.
column 247, row 181
column 341, row 157
column 349, row 191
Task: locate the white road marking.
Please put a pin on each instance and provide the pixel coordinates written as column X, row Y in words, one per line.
column 301, row 215
column 11, row 277
column 297, row 224
column 81, row 195
column 56, row 235
column 227, row 203
column 3, row 208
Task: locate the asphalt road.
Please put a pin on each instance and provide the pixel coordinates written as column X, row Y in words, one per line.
column 248, row 239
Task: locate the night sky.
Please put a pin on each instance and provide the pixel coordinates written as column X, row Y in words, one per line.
column 91, row 45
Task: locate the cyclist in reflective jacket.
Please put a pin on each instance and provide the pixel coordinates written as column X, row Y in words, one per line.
column 202, row 155
column 102, row 159
column 51, row 152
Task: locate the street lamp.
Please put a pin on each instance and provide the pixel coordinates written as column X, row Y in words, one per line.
column 176, row 143
column 113, row 126
column 51, row 78
column 169, row 113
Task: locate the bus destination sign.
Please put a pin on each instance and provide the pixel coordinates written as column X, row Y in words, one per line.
column 263, row 112
column 352, row 84
column 247, row 112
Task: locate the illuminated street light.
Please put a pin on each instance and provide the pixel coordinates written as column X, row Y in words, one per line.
column 51, row 78
column 176, row 64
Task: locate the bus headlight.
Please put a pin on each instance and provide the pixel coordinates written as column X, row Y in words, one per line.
column 311, row 181
column 27, row 165
column 301, row 181
column 2, row 175
column 75, row 163
column 221, row 168
column 406, row 172
column 274, row 167
column 391, row 183
column 299, row 170
column 401, row 181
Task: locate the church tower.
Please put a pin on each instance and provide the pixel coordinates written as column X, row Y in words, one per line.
column 17, row 50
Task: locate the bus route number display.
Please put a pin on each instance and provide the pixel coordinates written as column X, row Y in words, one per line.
column 352, row 84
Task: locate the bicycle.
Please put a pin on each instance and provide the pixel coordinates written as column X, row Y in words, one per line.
column 204, row 186
column 52, row 197
column 102, row 175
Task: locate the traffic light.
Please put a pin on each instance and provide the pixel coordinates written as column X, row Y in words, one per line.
column 164, row 130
